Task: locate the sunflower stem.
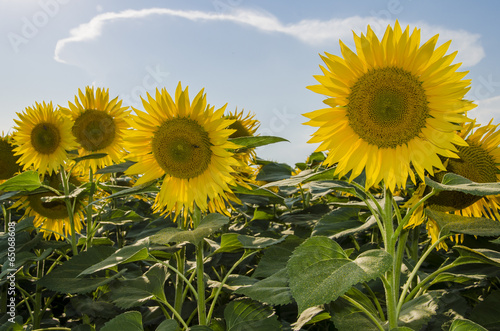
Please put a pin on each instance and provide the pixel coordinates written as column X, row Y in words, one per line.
column 65, row 183
column 202, row 318
column 89, row 209
column 391, row 288
column 180, row 257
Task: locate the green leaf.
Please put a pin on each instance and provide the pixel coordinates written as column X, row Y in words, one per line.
column 477, row 226
column 25, row 181
column 303, row 177
column 465, row 325
column 319, row 271
column 273, row 290
column 255, row 190
column 469, row 255
column 229, row 243
column 121, row 167
column 454, row 182
column 251, row 242
column 417, row 312
column 128, row 321
column 149, row 187
column 256, row 141
column 134, row 292
column 487, row 312
column 274, row 171
column 208, row 225
column 250, row 315
column 337, row 221
column 276, row 257
column 123, row 255
column 64, row 278
column 347, row 317
column 90, row 157
column 309, row 316
column 168, row 325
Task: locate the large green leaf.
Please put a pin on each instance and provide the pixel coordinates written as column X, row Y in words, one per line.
column 64, row 278
column 128, row 321
column 487, row 312
column 134, row 292
column 250, row 315
column 276, row 257
column 319, row 271
column 465, row 325
column 231, row 242
column 309, row 316
column 273, row 290
column 417, row 312
column 168, row 325
column 124, row 255
column 256, row 141
column 477, row 226
column 454, row 182
column 208, row 225
column 25, row 181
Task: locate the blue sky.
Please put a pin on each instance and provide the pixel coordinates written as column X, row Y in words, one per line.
column 253, row 55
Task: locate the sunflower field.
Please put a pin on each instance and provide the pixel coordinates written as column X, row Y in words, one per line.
column 165, row 218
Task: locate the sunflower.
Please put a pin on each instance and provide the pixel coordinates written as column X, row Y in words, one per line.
column 99, row 126
column 478, row 162
column 393, row 105
column 8, row 161
column 188, row 143
column 52, row 216
column 42, row 138
column 244, row 126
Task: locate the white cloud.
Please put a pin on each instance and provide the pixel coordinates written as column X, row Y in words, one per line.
column 486, row 110
column 314, row 32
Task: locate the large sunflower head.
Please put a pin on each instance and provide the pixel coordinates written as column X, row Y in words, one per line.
column 99, row 126
column 479, row 162
column 8, row 161
column 43, row 137
column 393, row 105
column 51, row 216
column 188, row 143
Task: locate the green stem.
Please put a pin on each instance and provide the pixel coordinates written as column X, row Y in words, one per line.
column 420, row 285
column 37, row 309
column 391, row 288
column 375, row 300
column 202, row 318
column 174, row 312
column 415, row 270
column 406, row 219
column 224, row 280
column 65, row 183
column 364, row 310
column 89, row 209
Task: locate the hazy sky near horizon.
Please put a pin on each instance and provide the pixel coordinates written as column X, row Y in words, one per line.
column 253, row 55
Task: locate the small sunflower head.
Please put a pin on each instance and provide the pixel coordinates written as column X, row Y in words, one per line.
column 99, row 125
column 8, row 161
column 43, row 137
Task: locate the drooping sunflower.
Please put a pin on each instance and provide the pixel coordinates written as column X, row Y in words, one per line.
column 188, row 144
column 244, row 126
column 99, row 126
column 8, row 161
column 478, row 162
column 52, row 217
column 394, row 105
column 43, row 137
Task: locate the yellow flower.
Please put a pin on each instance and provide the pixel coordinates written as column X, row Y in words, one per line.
column 478, row 162
column 244, row 126
column 42, row 138
column 8, row 161
column 188, row 143
column 99, row 126
column 392, row 106
column 52, row 217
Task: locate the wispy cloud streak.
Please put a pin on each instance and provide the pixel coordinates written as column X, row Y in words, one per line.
column 315, row 32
